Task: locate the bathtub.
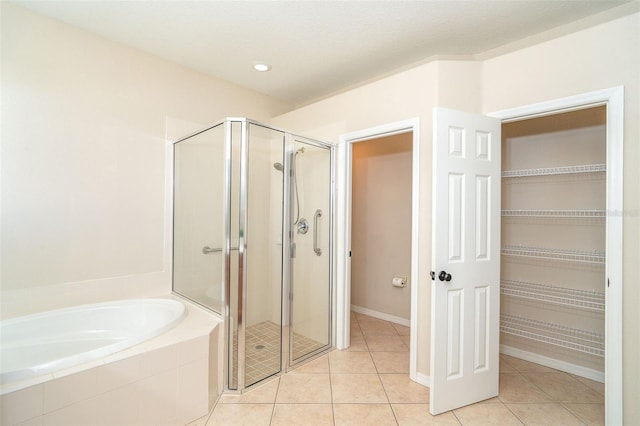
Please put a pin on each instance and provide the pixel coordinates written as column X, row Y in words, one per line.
column 34, row 345
column 139, row 361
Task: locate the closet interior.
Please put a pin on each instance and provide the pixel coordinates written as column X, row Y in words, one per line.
column 553, row 240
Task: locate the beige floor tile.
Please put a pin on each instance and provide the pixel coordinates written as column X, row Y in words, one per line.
column 318, row 365
column 302, row 414
column 596, row 386
column 418, row 414
column 400, row 389
column 402, row 330
column 486, row 414
column 391, row 362
column 357, row 388
column 505, row 367
column 406, row 340
column 262, row 394
column 385, row 343
column 561, row 387
column 358, row 344
column 363, row 414
column 544, row 414
column 376, row 326
column 241, row 415
column 513, row 387
column 304, row 388
column 591, row 414
column 525, row 366
column 351, row 362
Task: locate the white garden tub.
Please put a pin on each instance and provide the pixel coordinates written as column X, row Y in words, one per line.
column 38, row 344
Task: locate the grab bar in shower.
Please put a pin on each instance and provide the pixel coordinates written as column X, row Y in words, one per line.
column 207, row 249
column 316, row 249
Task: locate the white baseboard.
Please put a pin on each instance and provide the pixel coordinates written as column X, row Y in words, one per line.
column 381, row 315
column 422, row 379
column 567, row 367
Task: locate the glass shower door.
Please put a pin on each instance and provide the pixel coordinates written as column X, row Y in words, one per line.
column 310, row 282
column 257, row 180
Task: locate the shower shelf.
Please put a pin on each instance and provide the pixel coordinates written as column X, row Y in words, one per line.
column 590, row 214
column 594, row 256
column 550, row 171
column 573, row 298
column 553, row 334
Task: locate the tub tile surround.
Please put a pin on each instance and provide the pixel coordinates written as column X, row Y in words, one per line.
column 363, row 386
column 161, row 381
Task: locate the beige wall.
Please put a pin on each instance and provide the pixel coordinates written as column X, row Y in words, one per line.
column 381, row 224
column 85, row 124
column 595, row 58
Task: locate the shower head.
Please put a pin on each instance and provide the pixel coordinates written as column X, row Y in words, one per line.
column 278, row 166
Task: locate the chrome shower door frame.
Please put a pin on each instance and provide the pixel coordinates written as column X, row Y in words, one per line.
column 286, row 361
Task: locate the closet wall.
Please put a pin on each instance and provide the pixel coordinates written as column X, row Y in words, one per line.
column 553, row 240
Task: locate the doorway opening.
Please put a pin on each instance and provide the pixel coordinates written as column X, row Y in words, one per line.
column 408, row 129
column 381, row 228
column 613, row 101
column 553, row 241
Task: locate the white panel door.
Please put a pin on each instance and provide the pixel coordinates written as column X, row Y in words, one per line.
column 465, row 296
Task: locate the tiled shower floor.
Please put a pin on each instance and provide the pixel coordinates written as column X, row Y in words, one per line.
column 263, row 350
column 369, row 385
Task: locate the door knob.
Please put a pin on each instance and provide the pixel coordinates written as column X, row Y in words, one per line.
column 444, row 276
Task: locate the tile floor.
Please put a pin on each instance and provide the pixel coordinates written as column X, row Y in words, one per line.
column 369, row 385
column 263, row 350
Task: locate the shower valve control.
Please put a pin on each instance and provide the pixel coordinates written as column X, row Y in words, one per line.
column 303, row 226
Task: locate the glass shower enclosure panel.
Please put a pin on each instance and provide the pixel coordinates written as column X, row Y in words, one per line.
column 198, row 217
column 310, row 266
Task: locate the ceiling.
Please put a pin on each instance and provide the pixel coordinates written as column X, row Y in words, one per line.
column 315, row 48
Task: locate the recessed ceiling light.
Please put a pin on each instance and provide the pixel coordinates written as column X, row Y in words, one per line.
column 261, row 67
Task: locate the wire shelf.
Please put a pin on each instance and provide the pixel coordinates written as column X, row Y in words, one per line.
column 582, row 299
column 594, row 256
column 598, row 214
column 553, row 334
column 550, row 171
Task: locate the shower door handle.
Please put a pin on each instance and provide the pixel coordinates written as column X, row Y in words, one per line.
column 207, row 249
column 316, row 249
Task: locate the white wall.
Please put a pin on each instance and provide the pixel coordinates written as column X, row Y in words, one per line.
column 85, row 124
column 381, row 224
column 602, row 56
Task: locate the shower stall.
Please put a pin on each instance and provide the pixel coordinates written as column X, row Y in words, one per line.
column 253, row 242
